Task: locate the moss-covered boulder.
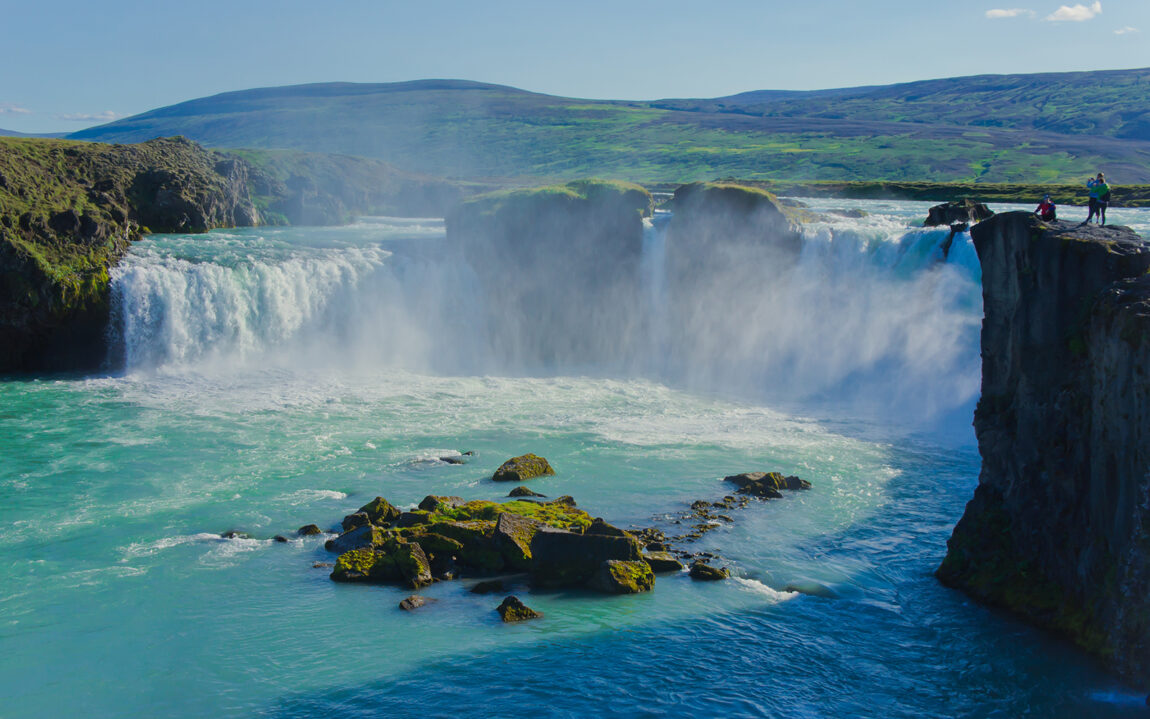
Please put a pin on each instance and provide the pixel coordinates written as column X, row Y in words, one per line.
column 767, row 485
column 705, row 572
column 512, row 537
column 524, row 492
column 514, row 610
column 522, row 468
column 564, row 558
column 380, row 510
column 620, row 577
column 432, row 503
column 661, row 562
column 412, row 563
column 308, row 530
column 365, row 565
column 365, row 535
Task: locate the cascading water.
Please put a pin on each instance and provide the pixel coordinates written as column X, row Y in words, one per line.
column 870, row 318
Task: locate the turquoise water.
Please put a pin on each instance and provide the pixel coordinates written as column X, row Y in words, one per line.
column 276, row 378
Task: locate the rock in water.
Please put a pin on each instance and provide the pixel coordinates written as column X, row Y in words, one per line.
column 521, row 468
column 380, row 510
column 662, row 562
column 308, row 530
column 618, row 577
column 1058, row 530
column 951, row 213
column 765, row 484
column 562, row 558
column 415, row 601
column 707, row 573
column 524, row 492
column 489, row 587
column 513, row 610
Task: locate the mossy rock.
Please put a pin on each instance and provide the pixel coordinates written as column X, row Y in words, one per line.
column 433, row 543
column 482, row 558
column 512, row 537
column 380, row 510
column 366, row 535
column 619, row 577
column 564, row 558
column 767, row 485
column 365, row 565
column 661, row 562
column 707, row 573
column 467, row 533
column 413, row 564
column 308, row 530
column 513, row 610
column 433, row 503
column 522, row 468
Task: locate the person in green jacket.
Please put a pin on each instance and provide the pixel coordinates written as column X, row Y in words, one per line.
column 1099, row 198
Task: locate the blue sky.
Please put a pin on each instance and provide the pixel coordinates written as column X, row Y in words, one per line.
column 69, row 64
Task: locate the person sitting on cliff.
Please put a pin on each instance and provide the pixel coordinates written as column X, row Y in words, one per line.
column 1046, row 210
column 1103, row 197
column 1093, row 185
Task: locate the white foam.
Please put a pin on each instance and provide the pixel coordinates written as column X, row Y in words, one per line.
column 757, row 587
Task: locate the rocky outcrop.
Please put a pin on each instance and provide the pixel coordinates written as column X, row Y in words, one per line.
column 556, row 263
column 957, row 213
column 1058, row 530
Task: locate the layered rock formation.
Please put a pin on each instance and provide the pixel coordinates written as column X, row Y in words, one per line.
column 1059, row 527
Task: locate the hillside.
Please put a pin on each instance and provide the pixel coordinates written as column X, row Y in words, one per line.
column 1017, row 128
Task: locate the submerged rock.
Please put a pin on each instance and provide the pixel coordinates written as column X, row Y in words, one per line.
column 522, row 468
column 490, row 586
column 281, row 539
column 415, row 601
column 513, row 610
column 235, row 534
column 707, row 573
column 621, row 577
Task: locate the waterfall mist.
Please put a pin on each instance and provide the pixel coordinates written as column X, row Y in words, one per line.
column 868, row 316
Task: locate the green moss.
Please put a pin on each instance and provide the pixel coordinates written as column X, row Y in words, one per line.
column 364, row 565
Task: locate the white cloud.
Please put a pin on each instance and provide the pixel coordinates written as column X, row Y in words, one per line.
column 1075, row 13
column 1126, row 30
column 1012, row 12
column 7, row 108
column 105, row 116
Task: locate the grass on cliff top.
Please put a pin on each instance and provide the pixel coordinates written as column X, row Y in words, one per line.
column 592, row 190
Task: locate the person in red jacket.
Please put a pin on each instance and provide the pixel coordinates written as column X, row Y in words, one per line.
column 1045, row 209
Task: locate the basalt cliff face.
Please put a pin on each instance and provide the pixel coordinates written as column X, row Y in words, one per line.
column 1058, row 530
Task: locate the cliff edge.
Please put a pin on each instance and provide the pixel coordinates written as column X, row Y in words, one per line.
column 1058, row 530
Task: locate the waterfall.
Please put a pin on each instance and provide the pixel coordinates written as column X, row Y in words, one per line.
column 870, row 313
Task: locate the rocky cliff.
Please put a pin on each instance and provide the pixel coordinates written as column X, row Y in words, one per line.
column 69, row 210
column 1058, row 530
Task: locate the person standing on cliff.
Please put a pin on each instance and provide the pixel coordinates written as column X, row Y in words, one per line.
column 1093, row 185
column 1103, row 197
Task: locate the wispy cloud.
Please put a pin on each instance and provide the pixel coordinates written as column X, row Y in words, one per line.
column 1126, row 30
column 7, row 108
column 1075, row 13
column 1011, row 12
column 105, row 116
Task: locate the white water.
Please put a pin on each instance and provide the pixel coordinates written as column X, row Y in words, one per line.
column 871, row 319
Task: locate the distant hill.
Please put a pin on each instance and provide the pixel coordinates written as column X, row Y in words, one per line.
column 13, row 133
column 1009, row 128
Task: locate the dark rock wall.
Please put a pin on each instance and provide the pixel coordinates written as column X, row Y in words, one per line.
column 1057, row 529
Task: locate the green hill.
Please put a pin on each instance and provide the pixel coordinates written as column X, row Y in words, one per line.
column 1016, row 128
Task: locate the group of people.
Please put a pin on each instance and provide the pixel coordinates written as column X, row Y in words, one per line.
column 1099, row 199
